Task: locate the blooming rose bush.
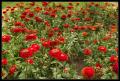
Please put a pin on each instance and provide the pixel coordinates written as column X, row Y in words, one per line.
column 60, row 40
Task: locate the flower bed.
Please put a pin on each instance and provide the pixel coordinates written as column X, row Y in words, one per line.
column 60, row 40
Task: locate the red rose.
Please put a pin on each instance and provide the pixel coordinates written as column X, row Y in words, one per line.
column 102, row 49
column 88, row 72
column 87, row 51
column 4, row 61
column 6, row 38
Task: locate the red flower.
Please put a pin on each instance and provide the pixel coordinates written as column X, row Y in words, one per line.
column 87, row 19
column 31, row 37
column 77, row 3
column 4, row 61
column 87, row 51
column 55, row 28
column 44, row 3
column 116, row 49
column 66, row 25
column 92, row 28
column 61, row 39
column 27, row 19
column 63, row 17
column 70, row 7
column 55, row 52
column 42, row 39
column 62, row 57
column 54, row 43
column 25, row 53
column 36, row 47
column 88, row 72
column 115, row 67
column 46, row 22
column 70, row 3
column 98, row 65
column 113, row 58
column 31, row 14
column 53, row 15
column 4, row 12
column 102, row 49
column 22, row 16
column 46, row 44
column 38, row 19
column 6, row 38
column 75, row 19
column 12, row 69
column 8, row 7
column 18, row 23
column 59, row 33
column 95, row 41
column 76, row 27
column 37, row 9
column 46, row 13
column 106, row 38
column 29, row 61
column 24, row 13
column 50, row 33
column 69, row 15
column 33, row 50
column 72, row 30
column 27, row 10
column 17, row 30
column 84, row 33
column 32, row 3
